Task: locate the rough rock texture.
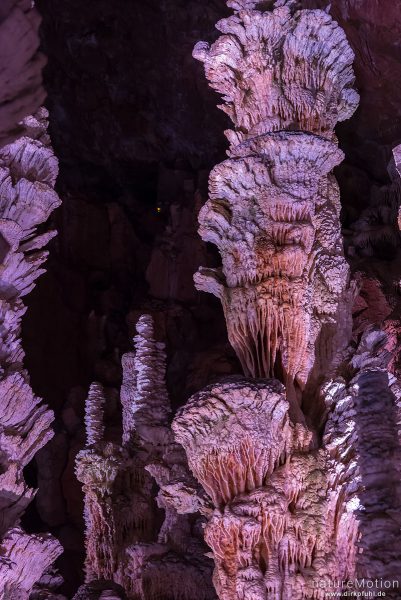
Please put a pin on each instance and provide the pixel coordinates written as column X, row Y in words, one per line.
column 28, row 170
column 291, row 515
column 291, row 518
column 21, row 63
column 138, row 130
column 273, row 212
column 143, row 393
column 267, row 489
column 124, row 542
column 362, row 438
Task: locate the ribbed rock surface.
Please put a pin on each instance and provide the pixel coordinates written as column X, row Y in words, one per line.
column 280, row 525
column 21, row 91
column 273, row 208
column 28, row 170
column 362, row 439
column 143, row 394
column 124, row 543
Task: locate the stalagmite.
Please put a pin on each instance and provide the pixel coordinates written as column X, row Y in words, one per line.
column 118, row 499
column 265, row 486
column 397, row 162
column 94, row 414
column 116, row 503
column 28, row 171
column 143, row 393
column 273, row 210
column 123, row 543
column 292, row 517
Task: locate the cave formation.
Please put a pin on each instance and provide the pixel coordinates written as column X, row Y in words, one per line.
column 242, row 444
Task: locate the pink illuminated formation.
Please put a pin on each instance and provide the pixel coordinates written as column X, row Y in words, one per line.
column 124, row 544
column 273, row 211
column 291, row 474
column 28, row 170
column 291, row 514
column 282, row 482
column 269, row 531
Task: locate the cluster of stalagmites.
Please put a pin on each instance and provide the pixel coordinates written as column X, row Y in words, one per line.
column 28, row 170
column 273, row 212
column 362, row 439
column 299, row 503
column 125, row 542
column 289, row 507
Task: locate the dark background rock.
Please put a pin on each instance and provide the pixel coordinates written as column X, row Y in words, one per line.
column 21, row 89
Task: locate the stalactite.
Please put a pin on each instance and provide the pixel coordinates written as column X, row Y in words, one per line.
column 273, row 210
column 150, row 406
column 28, row 170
